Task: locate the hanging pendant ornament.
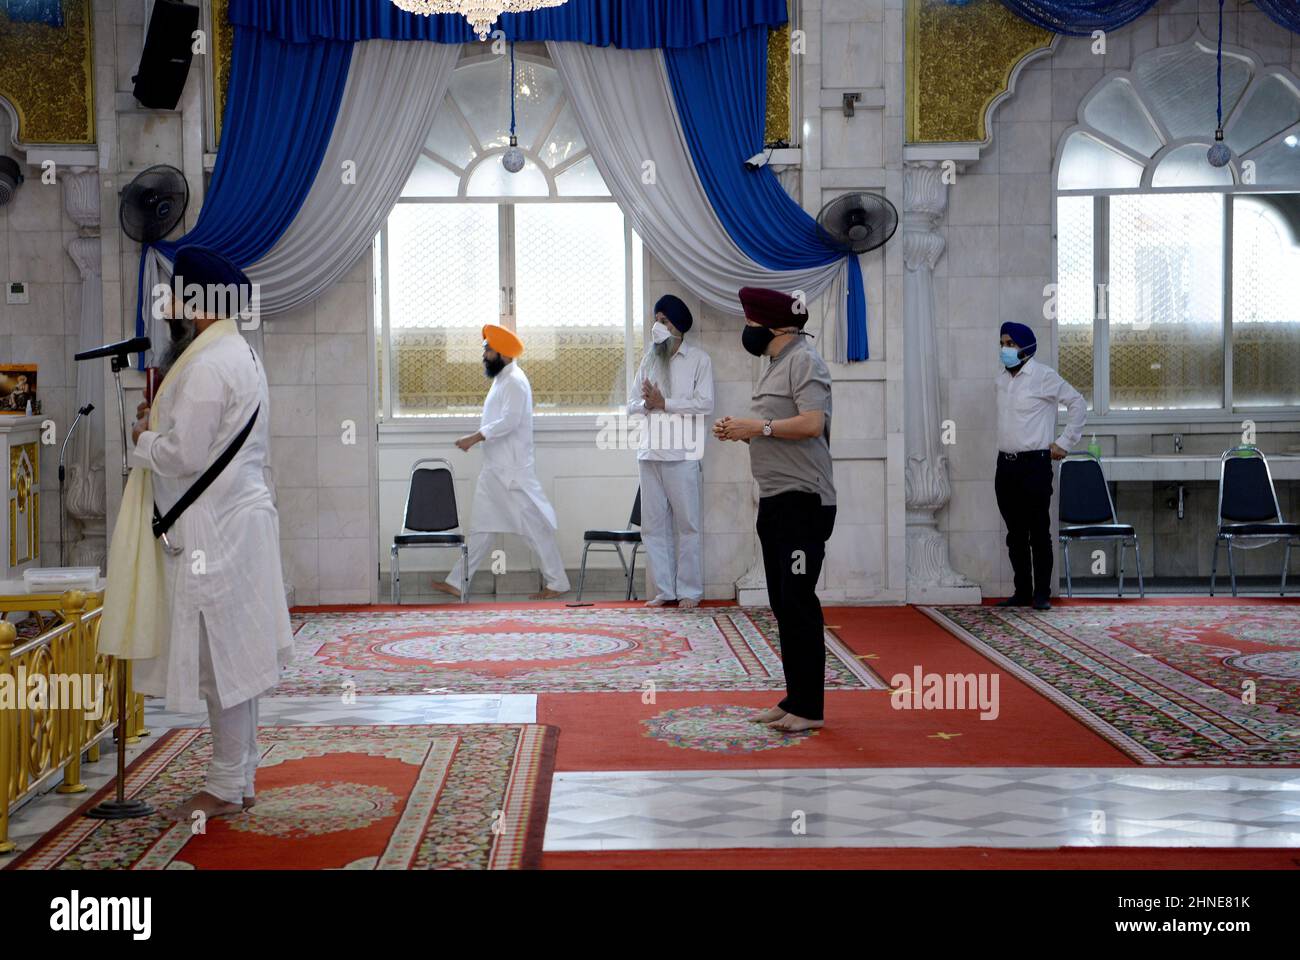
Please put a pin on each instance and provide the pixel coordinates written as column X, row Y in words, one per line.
column 1219, row 154
column 514, row 159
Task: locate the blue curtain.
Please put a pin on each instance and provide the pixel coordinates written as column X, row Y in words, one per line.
column 721, row 94
column 629, row 24
column 1285, row 13
column 1079, row 18
column 280, row 112
column 49, row 12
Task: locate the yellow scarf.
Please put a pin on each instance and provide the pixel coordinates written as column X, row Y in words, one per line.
column 136, row 619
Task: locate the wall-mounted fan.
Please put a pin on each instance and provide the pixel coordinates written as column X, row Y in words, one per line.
column 858, row 222
column 11, row 175
column 153, row 204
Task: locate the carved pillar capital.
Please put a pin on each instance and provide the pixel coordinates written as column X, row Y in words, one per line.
column 81, row 198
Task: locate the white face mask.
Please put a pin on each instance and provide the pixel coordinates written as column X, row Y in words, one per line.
column 661, row 334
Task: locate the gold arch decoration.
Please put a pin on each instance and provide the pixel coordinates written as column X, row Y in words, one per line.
column 959, row 60
column 46, row 74
column 780, row 72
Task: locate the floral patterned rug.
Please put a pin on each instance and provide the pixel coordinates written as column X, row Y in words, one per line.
column 1189, row 684
column 333, row 798
column 547, row 651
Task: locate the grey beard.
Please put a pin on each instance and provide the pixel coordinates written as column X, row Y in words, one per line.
column 659, row 367
column 178, row 345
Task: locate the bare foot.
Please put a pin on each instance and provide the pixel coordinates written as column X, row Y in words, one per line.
column 689, row 604
column 792, row 724
column 249, row 803
column 768, row 716
column 549, row 595
column 206, row 804
column 659, row 602
column 446, row 588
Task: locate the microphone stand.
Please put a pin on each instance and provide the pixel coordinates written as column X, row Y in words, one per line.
column 120, row 808
column 83, row 412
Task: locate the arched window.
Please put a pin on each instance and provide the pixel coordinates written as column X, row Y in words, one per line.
column 1177, row 280
column 546, row 252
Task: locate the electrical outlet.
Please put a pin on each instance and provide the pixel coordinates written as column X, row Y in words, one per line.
column 16, row 292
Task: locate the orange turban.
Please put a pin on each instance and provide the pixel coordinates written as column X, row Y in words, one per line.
column 503, row 341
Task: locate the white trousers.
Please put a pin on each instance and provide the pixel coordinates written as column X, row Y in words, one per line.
column 235, row 755
column 541, row 538
column 670, row 527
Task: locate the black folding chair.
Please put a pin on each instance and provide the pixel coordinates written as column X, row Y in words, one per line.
column 1088, row 513
column 1249, row 509
column 430, row 514
column 601, row 539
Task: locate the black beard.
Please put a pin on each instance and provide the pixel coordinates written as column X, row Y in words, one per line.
column 183, row 333
column 493, row 368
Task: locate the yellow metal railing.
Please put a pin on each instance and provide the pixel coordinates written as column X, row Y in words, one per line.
column 50, row 685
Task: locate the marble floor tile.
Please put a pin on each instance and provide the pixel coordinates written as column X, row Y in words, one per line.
column 948, row 807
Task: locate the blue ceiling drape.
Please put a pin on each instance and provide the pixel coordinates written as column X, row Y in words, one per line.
column 721, row 94
column 1079, row 18
column 1285, row 13
column 280, row 111
column 628, row 24
column 48, row 12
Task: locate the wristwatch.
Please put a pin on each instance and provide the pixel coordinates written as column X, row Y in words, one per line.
column 767, row 429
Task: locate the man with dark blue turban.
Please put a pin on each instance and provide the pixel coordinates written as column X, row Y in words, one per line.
column 1029, row 395
column 673, row 392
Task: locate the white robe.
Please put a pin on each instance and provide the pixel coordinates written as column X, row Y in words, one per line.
column 235, row 581
column 508, row 483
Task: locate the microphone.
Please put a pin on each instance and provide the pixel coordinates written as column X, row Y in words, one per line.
column 122, row 349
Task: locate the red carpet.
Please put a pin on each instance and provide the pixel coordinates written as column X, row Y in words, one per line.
column 906, row 858
column 704, row 731
column 435, row 797
column 546, row 649
column 1194, row 682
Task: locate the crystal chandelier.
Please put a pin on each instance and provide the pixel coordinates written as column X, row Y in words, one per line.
column 481, row 14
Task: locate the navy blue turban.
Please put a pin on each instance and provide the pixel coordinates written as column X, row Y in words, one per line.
column 678, row 313
column 195, row 265
column 1023, row 337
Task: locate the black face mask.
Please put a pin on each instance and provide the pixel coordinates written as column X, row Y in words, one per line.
column 493, row 368
column 757, row 340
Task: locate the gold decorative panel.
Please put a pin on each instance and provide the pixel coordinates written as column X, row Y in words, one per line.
column 24, row 502
column 46, row 74
column 223, row 42
column 779, row 84
column 959, row 60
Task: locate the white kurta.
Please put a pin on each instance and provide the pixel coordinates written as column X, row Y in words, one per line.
column 508, row 483
column 229, row 571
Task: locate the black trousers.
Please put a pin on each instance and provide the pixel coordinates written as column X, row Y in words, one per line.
column 1024, row 491
column 793, row 529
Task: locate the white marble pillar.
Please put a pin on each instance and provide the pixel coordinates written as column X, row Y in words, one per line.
column 84, row 487
column 930, row 577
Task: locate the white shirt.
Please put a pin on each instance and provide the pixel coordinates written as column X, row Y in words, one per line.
column 1027, row 409
column 508, row 483
column 229, row 569
column 681, row 427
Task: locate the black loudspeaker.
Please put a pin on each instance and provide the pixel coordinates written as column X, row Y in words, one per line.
column 168, row 52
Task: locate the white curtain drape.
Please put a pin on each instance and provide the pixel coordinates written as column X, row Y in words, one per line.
column 625, row 107
column 393, row 91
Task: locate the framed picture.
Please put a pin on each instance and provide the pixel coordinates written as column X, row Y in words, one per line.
column 18, row 388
